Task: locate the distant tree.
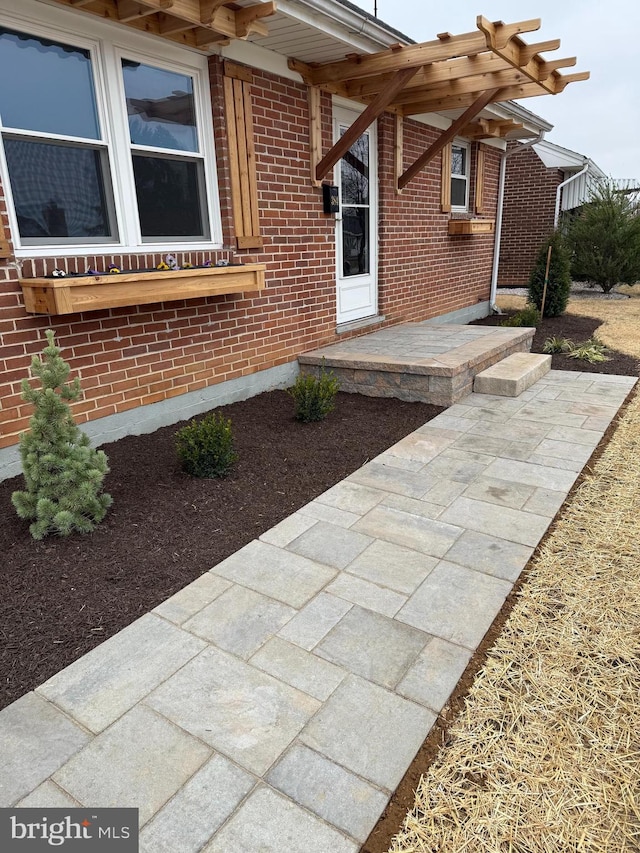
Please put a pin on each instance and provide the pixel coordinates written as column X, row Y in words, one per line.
column 63, row 473
column 559, row 281
column 604, row 239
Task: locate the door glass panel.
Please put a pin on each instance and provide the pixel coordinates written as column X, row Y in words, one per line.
column 160, row 107
column 355, row 241
column 355, row 172
column 47, row 86
column 170, row 198
column 59, row 191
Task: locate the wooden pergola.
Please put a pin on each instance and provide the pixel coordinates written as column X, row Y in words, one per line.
column 196, row 23
column 467, row 72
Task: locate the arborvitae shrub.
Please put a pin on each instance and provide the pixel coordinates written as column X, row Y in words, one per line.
column 559, row 282
column 63, row 474
column 314, row 396
column 205, row 447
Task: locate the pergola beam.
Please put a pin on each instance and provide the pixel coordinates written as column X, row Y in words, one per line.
column 198, row 23
column 364, row 120
column 447, row 136
column 525, row 90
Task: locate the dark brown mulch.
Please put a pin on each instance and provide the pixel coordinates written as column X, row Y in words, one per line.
column 61, row 597
column 576, row 329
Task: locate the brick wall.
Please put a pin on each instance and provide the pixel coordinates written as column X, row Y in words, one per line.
column 128, row 357
column 529, row 208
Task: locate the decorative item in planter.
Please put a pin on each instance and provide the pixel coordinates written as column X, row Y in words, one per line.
column 62, row 472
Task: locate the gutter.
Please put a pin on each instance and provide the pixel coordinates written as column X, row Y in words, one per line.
column 569, row 180
column 498, row 238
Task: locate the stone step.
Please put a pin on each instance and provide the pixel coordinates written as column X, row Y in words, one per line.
column 513, row 375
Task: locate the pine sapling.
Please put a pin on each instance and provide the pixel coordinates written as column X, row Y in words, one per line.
column 63, row 474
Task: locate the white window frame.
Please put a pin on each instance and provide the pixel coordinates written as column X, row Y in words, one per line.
column 108, row 44
column 460, row 143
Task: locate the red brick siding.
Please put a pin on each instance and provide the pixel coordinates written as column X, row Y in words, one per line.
column 529, row 207
column 127, row 357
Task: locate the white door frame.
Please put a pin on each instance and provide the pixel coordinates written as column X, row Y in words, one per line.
column 357, row 295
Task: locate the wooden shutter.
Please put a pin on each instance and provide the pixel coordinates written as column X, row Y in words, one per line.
column 445, row 197
column 480, row 202
column 242, row 156
column 5, row 248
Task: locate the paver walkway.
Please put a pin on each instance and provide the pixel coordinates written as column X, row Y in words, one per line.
column 275, row 703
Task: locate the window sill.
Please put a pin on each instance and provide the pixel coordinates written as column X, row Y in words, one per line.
column 71, row 295
column 471, row 226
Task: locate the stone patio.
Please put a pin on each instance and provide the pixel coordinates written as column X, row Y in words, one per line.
column 418, row 361
column 276, row 702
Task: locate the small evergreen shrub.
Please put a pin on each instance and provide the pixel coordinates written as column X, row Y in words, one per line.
column 314, row 396
column 205, row 447
column 559, row 281
column 558, row 345
column 62, row 472
column 528, row 316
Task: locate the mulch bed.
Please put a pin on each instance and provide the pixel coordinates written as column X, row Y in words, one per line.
column 62, row 596
column 577, row 329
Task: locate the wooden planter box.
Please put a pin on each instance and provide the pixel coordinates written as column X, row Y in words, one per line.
column 471, row 226
column 95, row 292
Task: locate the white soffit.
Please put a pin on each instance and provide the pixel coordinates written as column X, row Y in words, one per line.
column 322, row 31
column 556, row 157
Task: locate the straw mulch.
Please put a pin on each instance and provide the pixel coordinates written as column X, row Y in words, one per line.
column 546, row 754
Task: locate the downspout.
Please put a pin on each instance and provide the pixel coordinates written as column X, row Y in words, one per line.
column 496, row 245
column 556, row 215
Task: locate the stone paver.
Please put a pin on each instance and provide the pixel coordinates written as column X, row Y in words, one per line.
column 315, row 620
column 422, row 534
column 456, row 604
column 489, row 554
column 275, row 702
column 433, row 677
column 359, row 726
column 113, row 677
column 199, row 808
column 299, row 668
column 141, row 760
column 393, row 566
column 331, row 545
column 373, row 646
column 35, row 740
column 237, row 709
column 240, row 620
column 279, row 574
column 271, row 823
column 192, row 598
column 511, row 524
column 369, row 595
column 329, row 790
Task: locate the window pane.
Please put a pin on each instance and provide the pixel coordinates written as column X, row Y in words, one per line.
column 58, row 191
column 170, row 198
column 458, row 192
column 160, row 106
column 355, row 240
column 47, row 86
column 354, row 168
column 458, row 160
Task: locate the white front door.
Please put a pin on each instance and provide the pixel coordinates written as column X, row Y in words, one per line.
column 357, row 223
